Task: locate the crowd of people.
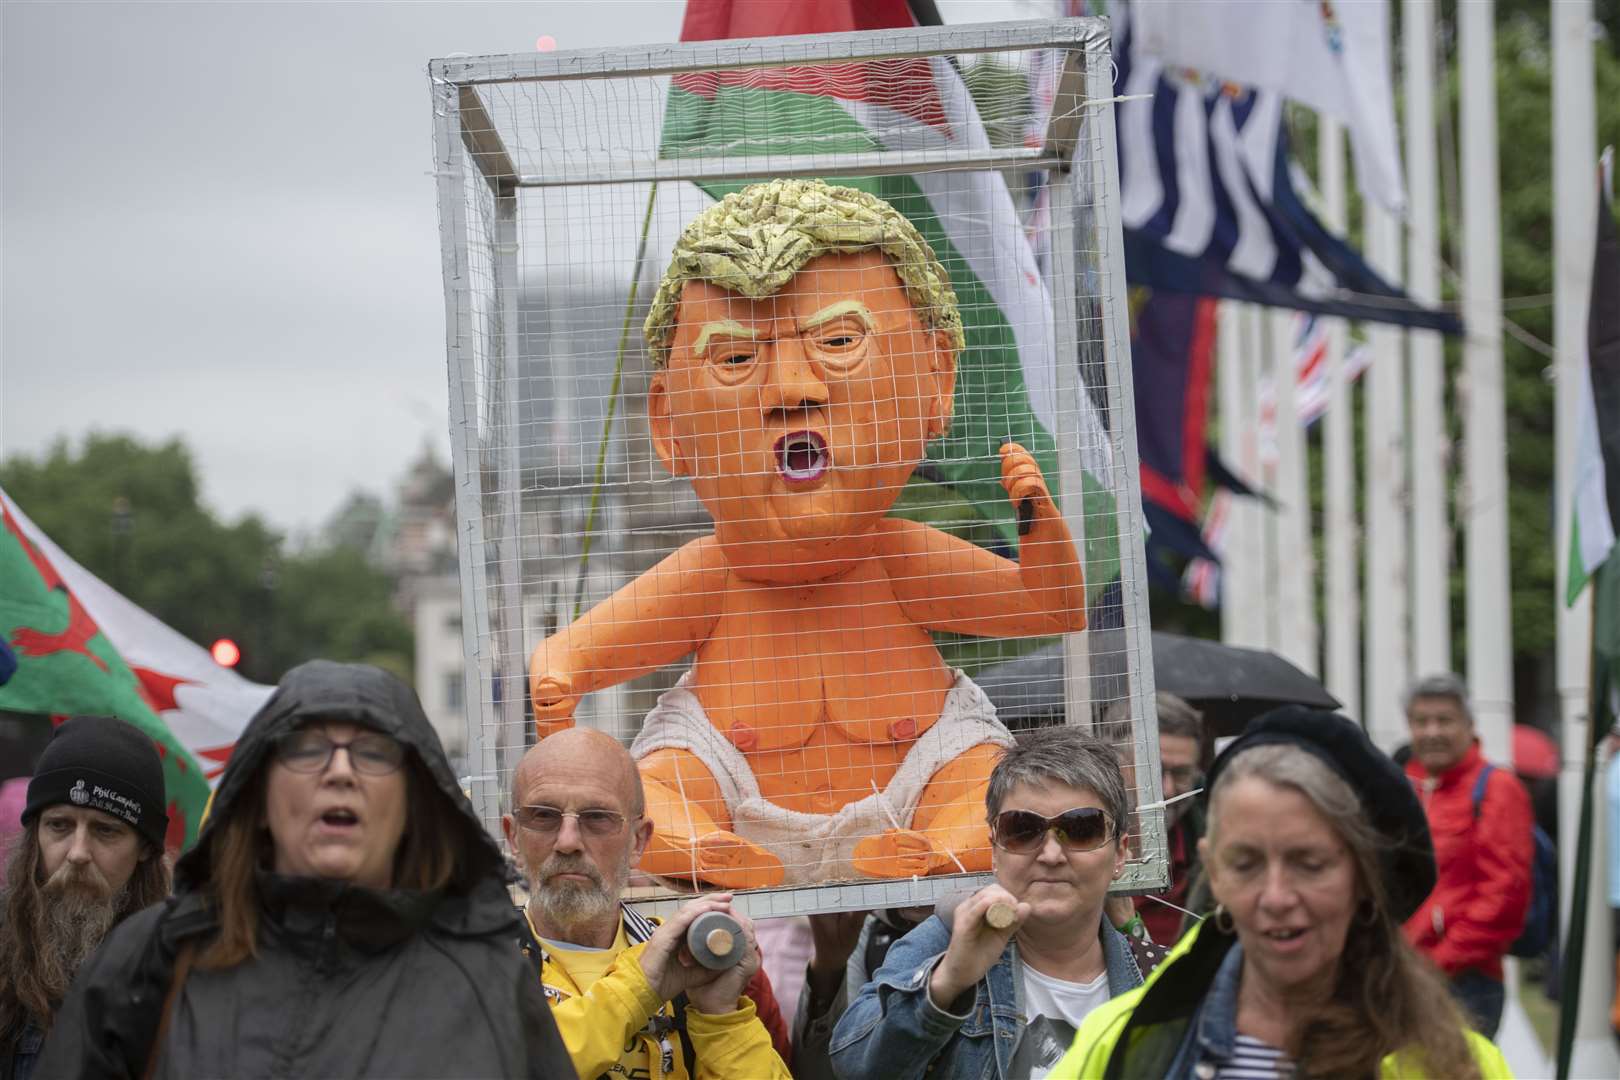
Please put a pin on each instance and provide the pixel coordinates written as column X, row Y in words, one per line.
column 343, row 913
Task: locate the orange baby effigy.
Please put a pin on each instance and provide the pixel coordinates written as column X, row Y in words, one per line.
column 806, row 340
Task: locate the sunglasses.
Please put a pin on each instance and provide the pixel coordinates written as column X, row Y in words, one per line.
column 1085, row 828
column 547, row 820
column 371, row 753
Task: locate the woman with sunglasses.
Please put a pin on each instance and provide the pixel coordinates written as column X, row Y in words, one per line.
column 967, row 999
column 1317, row 851
column 342, row 914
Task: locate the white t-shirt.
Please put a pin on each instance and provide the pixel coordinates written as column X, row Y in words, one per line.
column 1063, row 1003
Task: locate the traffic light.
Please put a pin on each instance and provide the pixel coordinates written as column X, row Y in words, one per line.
column 225, row 652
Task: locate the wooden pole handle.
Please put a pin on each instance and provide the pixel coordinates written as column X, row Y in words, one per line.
column 1000, row 915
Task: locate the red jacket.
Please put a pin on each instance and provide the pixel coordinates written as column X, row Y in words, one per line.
column 1478, row 904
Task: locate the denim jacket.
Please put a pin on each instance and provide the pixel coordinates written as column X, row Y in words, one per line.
column 891, row 1031
column 1213, row 1032
column 17, row 1060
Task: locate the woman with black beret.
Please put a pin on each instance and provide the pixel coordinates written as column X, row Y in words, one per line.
column 1316, row 851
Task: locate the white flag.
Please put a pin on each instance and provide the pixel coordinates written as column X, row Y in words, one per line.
column 206, row 706
column 1328, row 54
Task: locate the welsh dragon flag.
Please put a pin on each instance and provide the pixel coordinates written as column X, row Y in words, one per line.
column 81, row 648
column 1597, row 465
column 1006, row 380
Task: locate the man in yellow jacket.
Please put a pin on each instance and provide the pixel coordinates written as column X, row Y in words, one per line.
column 627, row 1000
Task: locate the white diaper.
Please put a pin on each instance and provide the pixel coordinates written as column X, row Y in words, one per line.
column 817, row 847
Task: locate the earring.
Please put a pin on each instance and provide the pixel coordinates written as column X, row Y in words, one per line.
column 1223, row 920
column 1367, row 913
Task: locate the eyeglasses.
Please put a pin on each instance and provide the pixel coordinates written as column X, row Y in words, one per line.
column 370, row 753
column 1085, row 828
column 1184, row 777
column 547, row 820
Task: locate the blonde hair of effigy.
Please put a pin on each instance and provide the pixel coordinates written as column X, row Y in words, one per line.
column 755, row 240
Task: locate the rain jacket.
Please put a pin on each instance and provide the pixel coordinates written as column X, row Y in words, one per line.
column 1180, row 1023
column 622, row 1007
column 1478, row 905
column 348, row 981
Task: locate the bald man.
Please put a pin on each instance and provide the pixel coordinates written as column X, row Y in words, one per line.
column 628, row 1001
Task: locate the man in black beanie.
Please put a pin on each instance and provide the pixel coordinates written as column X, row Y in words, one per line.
column 90, row 855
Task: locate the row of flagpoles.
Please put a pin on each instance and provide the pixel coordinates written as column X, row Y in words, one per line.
column 1387, row 619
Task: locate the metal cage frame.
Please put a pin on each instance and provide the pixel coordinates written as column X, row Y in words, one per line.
column 467, row 139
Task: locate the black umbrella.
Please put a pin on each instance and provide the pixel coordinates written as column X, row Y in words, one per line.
column 1228, row 684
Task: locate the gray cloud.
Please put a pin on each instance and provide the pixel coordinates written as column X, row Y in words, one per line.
column 220, row 223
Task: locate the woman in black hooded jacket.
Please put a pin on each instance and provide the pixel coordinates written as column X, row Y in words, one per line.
column 343, row 914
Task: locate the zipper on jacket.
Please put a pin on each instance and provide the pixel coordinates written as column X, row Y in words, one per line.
column 328, row 955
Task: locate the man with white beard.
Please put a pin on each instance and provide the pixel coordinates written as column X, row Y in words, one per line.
column 628, row 999
column 90, row 855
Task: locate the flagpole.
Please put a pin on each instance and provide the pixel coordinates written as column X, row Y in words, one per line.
column 1574, row 215
column 1263, row 537
column 1431, row 570
column 1256, row 597
column 1341, row 599
column 1388, row 655
column 1295, row 564
column 1237, row 425
column 1489, row 607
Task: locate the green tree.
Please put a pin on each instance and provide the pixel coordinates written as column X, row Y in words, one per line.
column 131, row 514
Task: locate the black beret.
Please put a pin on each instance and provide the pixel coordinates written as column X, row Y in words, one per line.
column 1387, row 799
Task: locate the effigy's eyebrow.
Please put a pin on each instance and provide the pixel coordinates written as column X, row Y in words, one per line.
column 719, row 328
column 838, row 311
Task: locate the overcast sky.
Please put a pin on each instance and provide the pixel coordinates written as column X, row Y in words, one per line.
column 220, row 224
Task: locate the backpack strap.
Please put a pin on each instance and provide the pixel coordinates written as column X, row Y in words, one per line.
column 688, row 1052
column 532, row 950
column 1479, row 787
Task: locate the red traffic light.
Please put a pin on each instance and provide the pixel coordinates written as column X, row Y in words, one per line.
column 225, row 652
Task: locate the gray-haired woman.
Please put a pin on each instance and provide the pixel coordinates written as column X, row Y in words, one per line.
column 967, row 999
column 1317, row 850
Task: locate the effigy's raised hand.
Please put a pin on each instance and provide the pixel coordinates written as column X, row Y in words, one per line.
column 1025, row 486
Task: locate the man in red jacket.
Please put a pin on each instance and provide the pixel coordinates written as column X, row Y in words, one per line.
column 1483, row 851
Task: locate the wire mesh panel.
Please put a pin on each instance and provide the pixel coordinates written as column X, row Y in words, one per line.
column 791, row 440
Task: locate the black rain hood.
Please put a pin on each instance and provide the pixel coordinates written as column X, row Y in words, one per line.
column 358, row 694
column 346, row 980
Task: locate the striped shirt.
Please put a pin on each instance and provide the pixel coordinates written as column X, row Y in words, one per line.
column 1254, row 1060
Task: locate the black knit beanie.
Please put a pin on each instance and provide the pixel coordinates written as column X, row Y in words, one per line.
column 103, row 764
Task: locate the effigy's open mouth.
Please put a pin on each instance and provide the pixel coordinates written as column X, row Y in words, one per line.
column 802, row 456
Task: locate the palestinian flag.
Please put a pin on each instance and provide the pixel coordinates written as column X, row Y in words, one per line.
column 1597, row 453
column 1006, row 376
column 51, row 620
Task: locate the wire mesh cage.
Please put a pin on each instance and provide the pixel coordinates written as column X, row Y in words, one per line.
column 793, row 442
